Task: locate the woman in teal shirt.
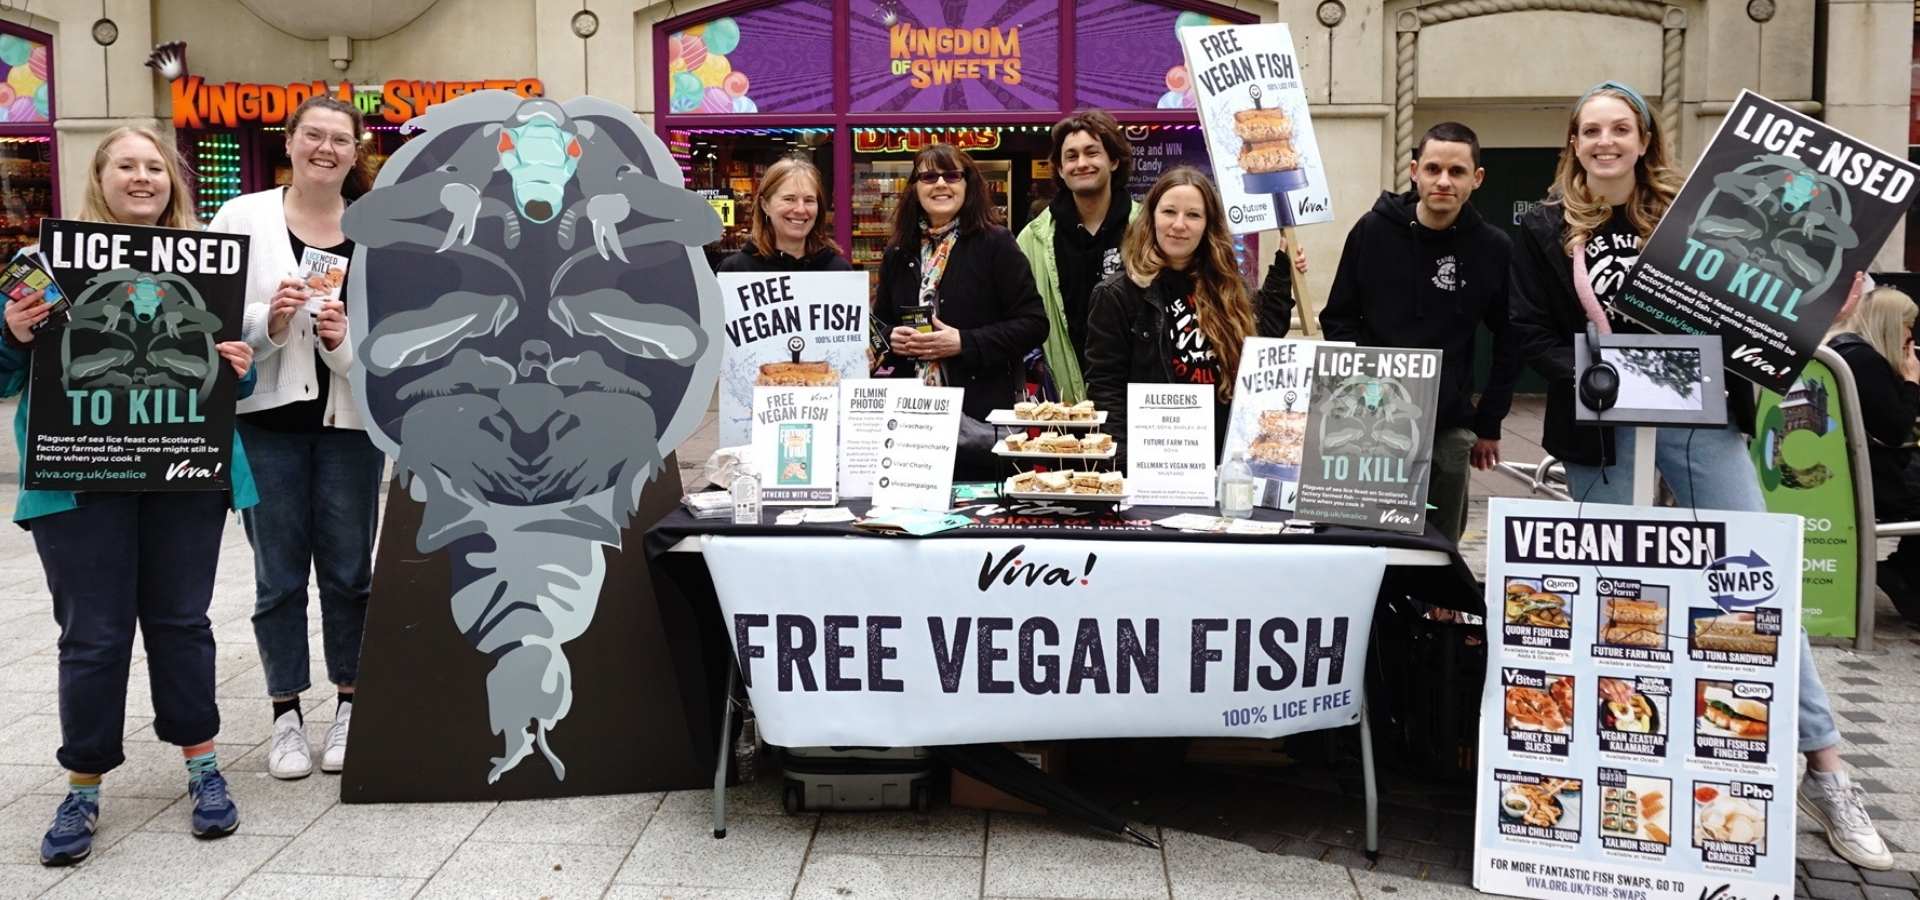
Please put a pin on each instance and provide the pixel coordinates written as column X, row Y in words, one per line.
column 114, row 559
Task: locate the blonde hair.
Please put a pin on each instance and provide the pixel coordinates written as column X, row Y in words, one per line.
column 764, row 239
column 179, row 212
column 1884, row 319
column 1655, row 181
column 1220, row 299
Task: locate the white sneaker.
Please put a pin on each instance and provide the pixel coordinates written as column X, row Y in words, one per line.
column 334, row 757
column 1840, row 806
column 289, row 757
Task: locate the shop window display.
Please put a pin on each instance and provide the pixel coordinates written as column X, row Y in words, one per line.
column 725, row 166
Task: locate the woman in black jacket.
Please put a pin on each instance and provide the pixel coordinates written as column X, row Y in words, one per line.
column 789, row 234
column 1179, row 312
column 948, row 256
column 1876, row 341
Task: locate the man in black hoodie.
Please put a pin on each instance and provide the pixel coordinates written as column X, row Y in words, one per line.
column 1423, row 269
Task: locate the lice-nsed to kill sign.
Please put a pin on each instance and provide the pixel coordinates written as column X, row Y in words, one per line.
column 1640, row 703
column 131, row 394
column 1010, row 640
column 1761, row 245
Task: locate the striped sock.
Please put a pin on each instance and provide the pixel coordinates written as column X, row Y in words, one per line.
column 202, row 763
column 87, row 786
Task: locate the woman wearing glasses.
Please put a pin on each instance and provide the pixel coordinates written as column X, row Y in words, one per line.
column 304, row 435
column 951, row 264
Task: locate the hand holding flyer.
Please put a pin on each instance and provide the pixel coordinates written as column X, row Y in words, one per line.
column 324, row 273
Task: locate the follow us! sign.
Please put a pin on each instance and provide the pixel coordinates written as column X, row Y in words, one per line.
column 131, row 393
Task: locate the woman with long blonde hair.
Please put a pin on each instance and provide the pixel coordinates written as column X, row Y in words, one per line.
column 1876, row 341
column 117, row 559
column 1179, row 312
column 1614, row 182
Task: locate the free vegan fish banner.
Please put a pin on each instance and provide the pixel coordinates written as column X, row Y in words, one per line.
column 130, row 394
column 1253, row 110
column 1030, row 640
column 1761, row 245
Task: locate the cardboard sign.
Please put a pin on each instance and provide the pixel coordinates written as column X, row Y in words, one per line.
column 1267, row 424
column 1761, row 245
column 1369, row 449
column 916, row 456
column 1170, row 444
column 1253, row 109
column 131, row 394
column 1641, row 702
column 795, row 434
column 787, row 329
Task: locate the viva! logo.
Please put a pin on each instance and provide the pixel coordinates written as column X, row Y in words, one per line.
column 1011, row 570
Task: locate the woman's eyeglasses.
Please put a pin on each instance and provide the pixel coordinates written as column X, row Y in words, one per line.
column 936, row 177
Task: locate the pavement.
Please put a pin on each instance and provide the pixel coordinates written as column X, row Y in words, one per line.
column 1286, row 824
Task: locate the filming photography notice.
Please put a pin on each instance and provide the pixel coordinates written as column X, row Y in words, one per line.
column 1253, row 110
column 1761, row 244
column 1641, row 701
column 131, row 395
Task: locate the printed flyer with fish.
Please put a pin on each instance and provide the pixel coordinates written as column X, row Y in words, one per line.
column 1640, row 716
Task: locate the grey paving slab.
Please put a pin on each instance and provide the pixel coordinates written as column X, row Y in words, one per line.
column 162, row 866
column 19, row 882
column 281, row 886
column 613, row 821
column 29, row 739
column 831, row 876
column 1381, row 886
column 762, row 853
column 1204, row 868
column 407, row 841
column 556, row 871
column 23, row 823
column 948, row 831
column 18, row 781
column 153, row 770
column 1038, row 857
column 684, row 892
column 267, row 804
column 760, row 797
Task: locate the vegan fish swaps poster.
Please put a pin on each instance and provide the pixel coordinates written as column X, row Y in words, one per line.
column 1268, row 421
column 1253, row 110
column 1369, row 445
column 787, row 329
column 795, row 444
column 131, row 395
column 1639, row 726
column 1761, row 245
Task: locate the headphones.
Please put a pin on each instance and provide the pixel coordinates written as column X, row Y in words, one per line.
column 1600, row 381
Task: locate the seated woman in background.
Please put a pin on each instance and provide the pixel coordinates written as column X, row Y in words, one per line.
column 1876, row 340
column 1179, row 311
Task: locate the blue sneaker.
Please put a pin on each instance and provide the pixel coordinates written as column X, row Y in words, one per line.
column 214, row 814
column 70, row 839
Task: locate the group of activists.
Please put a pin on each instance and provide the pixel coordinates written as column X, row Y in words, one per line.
column 1096, row 292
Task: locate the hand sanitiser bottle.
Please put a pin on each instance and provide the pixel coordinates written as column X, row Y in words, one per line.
column 1235, row 490
column 746, row 496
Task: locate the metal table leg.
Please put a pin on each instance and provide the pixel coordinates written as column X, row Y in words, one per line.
column 726, row 746
column 1372, row 788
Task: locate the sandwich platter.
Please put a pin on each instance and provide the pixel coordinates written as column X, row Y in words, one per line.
column 1029, row 486
column 1028, row 450
column 1049, row 415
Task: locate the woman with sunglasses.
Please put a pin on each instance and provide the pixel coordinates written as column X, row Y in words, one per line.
column 305, row 434
column 951, row 260
column 1614, row 182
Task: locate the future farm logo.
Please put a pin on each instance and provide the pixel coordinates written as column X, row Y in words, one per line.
column 1741, row 582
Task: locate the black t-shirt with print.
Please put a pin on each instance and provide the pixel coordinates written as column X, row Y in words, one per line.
column 1193, row 360
column 1611, row 253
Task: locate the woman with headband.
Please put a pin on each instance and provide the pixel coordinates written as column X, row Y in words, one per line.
column 1614, row 182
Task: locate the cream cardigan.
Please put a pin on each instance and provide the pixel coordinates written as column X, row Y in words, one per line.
column 286, row 370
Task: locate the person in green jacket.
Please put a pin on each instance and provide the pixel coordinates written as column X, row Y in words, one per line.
column 115, row 559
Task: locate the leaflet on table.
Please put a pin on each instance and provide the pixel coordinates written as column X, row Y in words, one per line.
column 787, row 329
column 863, row 432
column 916, row 456
column 795, row 433
column 1170, row 444
column 1369, row 446
column 1267, row 423
column 323, row 273
column 1640, row 710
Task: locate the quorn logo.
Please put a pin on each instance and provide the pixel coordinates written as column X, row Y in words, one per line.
column 1011, row 570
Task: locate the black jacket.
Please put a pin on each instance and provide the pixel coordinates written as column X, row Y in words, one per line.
column 1391, row 291
column 749, row 260
column 988, row 294
column 1128, row 342
column 1546, row 314
column 1888, row 406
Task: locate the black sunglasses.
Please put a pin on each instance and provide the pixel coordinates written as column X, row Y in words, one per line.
column 935, row 177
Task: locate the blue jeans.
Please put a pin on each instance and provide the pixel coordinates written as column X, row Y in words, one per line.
column 118, row 559
column 1707, row 469
column 319, row 502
